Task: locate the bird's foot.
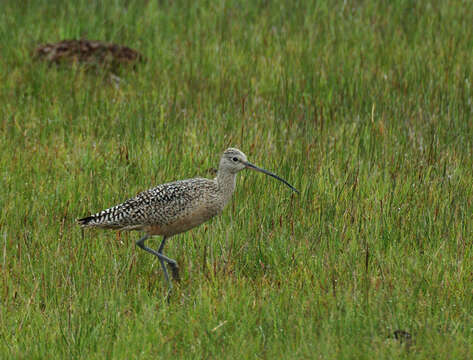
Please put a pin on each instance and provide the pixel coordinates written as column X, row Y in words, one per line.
column 175, row 272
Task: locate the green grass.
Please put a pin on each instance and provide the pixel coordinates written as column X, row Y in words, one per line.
column 365, row 106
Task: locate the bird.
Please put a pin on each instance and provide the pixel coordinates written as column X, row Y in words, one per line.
column 176, row 207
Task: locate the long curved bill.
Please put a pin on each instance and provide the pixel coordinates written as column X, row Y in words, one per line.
column 256, row 168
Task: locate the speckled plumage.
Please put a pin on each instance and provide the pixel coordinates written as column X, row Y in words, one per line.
column 167, row 209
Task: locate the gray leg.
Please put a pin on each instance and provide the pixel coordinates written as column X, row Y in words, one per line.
column 172, row 263
column 162, row 258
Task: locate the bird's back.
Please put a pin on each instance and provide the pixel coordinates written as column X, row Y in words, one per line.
column 167, row 209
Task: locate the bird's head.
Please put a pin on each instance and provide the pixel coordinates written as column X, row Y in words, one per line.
column 234, row 160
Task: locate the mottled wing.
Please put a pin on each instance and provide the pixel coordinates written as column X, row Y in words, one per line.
column 156, row 206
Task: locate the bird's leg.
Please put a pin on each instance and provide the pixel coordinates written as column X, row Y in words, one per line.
column 161, row 257
column 172, row 263
column 166, row 276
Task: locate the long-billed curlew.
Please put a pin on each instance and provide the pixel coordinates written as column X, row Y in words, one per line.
column 176, row 207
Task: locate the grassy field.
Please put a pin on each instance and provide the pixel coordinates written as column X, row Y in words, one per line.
column 365, row 106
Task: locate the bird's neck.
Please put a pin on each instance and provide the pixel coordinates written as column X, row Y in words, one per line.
column 226, row 184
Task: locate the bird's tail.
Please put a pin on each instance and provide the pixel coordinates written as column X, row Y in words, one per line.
column 86, row 221
column 111, row 218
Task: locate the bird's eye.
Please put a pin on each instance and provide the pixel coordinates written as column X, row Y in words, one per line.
column 235, row 159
